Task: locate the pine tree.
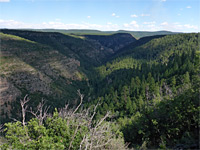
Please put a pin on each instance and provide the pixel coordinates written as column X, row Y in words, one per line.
column 140, row 103
column 173, row 84
column 186, row 78
column 129, row 105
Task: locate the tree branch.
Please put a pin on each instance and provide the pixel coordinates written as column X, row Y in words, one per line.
column 24, row 108
column 81, row 100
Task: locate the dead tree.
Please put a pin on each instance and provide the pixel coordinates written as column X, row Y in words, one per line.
column 97, row 136
column 24, row 107
column 81, row 101
column 41, row 112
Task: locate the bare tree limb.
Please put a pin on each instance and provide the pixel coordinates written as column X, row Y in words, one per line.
column 24, row 108
column 104, row 144
column 81, row 100
column 94, row 111
column 41, row 112
column 15, row 120
column 73, row 137
column 107, row 114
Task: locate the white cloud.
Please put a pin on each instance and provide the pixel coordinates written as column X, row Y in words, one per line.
column 164, row 24
column 4, row 0
column 113, row 14
column 133, row 25
column 151, row 27
column 153, row 22
column 178, row 27
column 111, row 27
column 145, row 26
column 163, row 0
column 88, row 17
column 145, row 15
column 188, row 7
column 176, row 23
column 190, row 26
column 134, row 16
column 126, row 25
column 12, row 24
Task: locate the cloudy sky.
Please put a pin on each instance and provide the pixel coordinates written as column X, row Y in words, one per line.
column 136, row 15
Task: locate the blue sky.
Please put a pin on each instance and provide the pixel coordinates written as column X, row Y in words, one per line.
column 135, row 15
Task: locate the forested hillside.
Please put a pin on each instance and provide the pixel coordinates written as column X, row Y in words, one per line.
column 149, row 86
column 135, row 34
column 153, row 92
column 49, row 65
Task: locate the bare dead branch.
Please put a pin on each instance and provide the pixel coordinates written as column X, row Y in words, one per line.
column 15, row 120
column 73, row 137
column 24, row 108
column 81, row 100
column 104, row 144
column 64, row 111
column 94, row 112
column 82, row 142
column 100, row 122
column 41, row 112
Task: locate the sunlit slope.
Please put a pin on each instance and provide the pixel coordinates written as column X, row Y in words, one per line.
column 50, row 65
column 152, row 51
column 136, row 34
column 28, row 67
column 92, row 50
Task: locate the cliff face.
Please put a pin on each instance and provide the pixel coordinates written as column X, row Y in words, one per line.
column 50, row 65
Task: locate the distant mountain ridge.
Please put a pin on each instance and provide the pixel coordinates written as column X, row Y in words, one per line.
column 136, row 34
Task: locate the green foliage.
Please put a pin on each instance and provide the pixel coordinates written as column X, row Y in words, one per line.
column 152, row 91
column 171, row 119
column 157, row 91
column 63, row 132
column 76, row 32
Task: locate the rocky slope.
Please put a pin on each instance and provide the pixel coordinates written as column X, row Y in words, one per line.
column 50, row 65
column 31, row 68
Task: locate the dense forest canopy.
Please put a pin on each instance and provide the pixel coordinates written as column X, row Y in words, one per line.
column 150, row 87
